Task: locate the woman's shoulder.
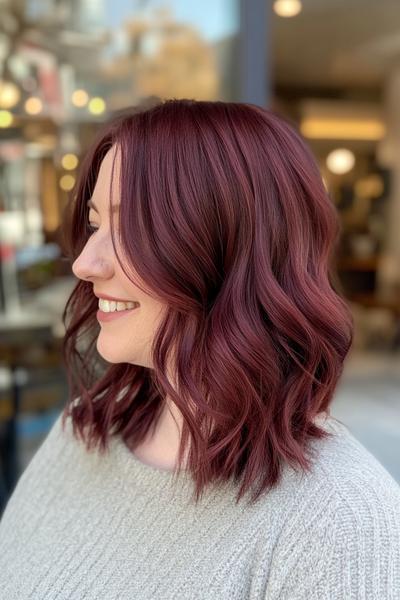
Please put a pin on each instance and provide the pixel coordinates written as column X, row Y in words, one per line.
column 349, row 466
column 342, row 537
column 58, row 450
column 57, row 441
column 349, row 479
column 341, row 470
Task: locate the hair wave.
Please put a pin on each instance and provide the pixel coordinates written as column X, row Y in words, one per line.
column 225, row 216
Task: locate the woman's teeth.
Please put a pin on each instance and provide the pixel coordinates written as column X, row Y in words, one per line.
column 112, row 306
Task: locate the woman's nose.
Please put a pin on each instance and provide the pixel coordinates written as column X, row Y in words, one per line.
column 92, row 263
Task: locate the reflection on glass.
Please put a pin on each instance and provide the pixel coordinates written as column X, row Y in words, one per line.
column 77, row 62
column 172, row 49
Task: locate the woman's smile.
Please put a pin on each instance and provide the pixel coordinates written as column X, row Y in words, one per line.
column 110, row 316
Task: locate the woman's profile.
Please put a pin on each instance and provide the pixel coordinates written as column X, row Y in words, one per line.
column 197, row 457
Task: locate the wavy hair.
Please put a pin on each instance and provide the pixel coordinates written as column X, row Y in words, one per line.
column 224, row 215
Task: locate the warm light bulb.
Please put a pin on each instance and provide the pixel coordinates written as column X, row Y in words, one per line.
column 33, row 105
column 69, row 162
column 67, row 182
column 6, row 118
column 340, row 161
column 80, row 98
column 97, row 105
column 287, row 8
column 9, row 94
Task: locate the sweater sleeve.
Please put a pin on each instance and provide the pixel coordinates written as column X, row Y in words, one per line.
column 348, row 548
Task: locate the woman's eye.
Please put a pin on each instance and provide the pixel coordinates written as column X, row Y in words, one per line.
column 91, row 228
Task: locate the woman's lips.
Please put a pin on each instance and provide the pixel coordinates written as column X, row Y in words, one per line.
column 116, row 314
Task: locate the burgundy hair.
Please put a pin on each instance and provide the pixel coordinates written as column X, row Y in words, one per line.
column 225, row 216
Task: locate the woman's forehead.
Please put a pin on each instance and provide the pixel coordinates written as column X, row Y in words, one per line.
column 107, row 183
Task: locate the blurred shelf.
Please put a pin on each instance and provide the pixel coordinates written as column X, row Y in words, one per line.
column 358, row 264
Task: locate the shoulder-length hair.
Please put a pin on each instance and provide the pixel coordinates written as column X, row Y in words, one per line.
column 225, row 216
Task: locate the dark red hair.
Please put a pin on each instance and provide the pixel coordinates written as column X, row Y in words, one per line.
column 224, row 216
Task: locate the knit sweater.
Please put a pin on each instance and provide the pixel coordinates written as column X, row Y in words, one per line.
column 81, row 525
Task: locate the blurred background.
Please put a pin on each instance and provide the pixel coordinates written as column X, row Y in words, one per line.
column 332, row 67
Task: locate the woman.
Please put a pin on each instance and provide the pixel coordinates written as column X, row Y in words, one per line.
column 197, row 457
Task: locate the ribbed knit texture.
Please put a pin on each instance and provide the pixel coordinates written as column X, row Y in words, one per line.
column 84, row 526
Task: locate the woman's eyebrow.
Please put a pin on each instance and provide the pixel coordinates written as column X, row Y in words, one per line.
column 91, row 204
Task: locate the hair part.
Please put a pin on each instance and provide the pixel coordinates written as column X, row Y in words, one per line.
column 225, row 217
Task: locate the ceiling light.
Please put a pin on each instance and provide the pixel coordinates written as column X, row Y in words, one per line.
column 342, row 129
column 287, row 8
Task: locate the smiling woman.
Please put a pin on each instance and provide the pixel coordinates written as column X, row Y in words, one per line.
column 219, row 471
column 195, row 204
column 118, row 299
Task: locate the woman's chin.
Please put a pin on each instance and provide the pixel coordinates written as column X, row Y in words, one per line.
column 112, row 352
column 109, row 351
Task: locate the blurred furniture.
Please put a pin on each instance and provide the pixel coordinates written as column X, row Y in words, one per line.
column 29, row 355
column 358, row 276
column 391, row 304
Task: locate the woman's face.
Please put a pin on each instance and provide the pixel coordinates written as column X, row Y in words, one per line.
column 127, row 338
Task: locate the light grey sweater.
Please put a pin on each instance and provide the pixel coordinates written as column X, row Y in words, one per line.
column 84, row 526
